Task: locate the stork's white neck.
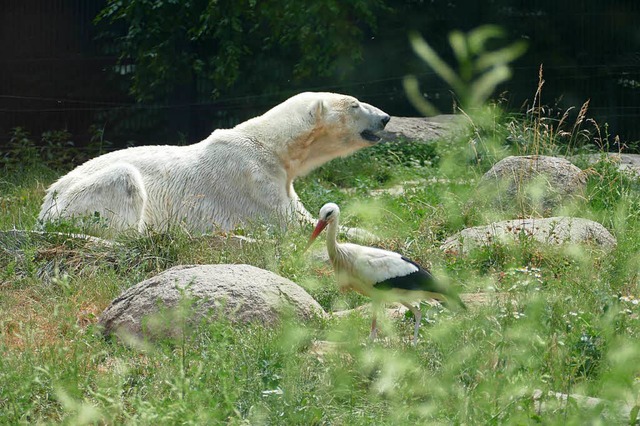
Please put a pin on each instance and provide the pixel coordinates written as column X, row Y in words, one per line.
column 332, row 235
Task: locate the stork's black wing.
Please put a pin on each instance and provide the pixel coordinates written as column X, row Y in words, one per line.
column 420, row 280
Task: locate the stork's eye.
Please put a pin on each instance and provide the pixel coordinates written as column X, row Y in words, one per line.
column 329, row 213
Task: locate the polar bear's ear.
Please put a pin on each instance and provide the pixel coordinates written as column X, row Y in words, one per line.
column 317, row 109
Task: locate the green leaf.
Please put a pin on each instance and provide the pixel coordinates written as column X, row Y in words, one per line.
column 484, row 86
column 427, row 54
column 459, row 45
column 461, row 49
column 478, row 37
column 412, row 89
column 633, row 415
column 501, row 56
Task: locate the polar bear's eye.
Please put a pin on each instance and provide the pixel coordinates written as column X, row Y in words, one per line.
column 355, row 105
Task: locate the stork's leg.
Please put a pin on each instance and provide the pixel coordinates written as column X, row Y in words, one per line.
column 374, row 330
column 374, row 315
column 417, row 314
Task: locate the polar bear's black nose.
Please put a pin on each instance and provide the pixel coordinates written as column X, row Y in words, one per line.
column 385, row 120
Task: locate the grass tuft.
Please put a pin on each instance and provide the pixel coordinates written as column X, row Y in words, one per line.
column 562, row 319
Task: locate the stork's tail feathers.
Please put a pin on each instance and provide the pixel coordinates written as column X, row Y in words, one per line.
column 454, row 297
column 451, row 301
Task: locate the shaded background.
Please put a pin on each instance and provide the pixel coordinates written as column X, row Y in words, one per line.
column 56, row 73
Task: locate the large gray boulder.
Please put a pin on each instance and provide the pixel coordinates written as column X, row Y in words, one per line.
column 552, row 230
column 420, row 129
column 242, row 293
column 535, row 181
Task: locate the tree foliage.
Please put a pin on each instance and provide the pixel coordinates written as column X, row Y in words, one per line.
column 212, row 47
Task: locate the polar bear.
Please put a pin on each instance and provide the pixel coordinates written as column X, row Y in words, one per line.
column 233, row 177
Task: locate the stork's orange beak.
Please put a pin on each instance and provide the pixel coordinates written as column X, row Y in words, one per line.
column 319, row 227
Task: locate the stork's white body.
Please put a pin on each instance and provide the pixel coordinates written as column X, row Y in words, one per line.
column 382, row 275
column 360, row 268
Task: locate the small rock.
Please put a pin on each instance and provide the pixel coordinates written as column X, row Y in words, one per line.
column 409, row 186
column 397, row 310
column 394, row 310
column 552, row 230
column 15, row 240
column 55, row 252
column 554, row 400
column 624, row 162
column 320, row 348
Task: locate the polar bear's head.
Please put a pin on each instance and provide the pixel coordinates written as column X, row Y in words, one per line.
column 349, row 120
column 311, row 128
column 331, row 125
column 342, row 125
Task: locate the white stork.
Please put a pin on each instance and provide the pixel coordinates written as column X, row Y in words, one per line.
column 382, row 275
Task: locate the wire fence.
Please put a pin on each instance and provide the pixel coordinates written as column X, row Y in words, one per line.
column 53, row 77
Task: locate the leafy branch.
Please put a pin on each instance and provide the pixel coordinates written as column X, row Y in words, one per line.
column 480, row 70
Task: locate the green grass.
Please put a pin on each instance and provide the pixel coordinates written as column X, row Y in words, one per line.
column 568, row 322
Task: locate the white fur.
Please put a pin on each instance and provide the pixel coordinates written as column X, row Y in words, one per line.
column 233, row 177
